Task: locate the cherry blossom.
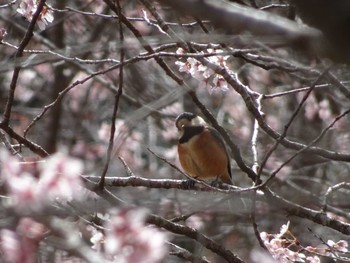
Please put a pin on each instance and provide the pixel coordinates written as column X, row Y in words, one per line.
column 206, row 76
column 27, row 8
column 341, row 245
column 279, row 246
column 313, row 259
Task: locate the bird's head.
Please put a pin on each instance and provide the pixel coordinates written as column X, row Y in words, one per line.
column 188, row 119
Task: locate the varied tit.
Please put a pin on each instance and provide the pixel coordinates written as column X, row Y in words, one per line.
column 201, row 149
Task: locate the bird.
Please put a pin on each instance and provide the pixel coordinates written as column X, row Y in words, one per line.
column 201, row 149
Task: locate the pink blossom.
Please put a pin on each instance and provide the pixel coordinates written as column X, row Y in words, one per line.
column 340, row 246
column 129, row 240
column 219, row 59
column 206, row 76
column 279, row 246
column 314, row 259
column 219, row 84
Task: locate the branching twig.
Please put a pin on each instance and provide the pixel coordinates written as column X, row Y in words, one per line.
column 19, row 53
column 21, row 140
column 273, row 199
column 300, row 211
column 249, row 98
column 286, row 127
column 139, row 37
column 317, row 139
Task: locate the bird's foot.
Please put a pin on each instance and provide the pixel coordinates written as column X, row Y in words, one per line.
column 217, row 183
column 188, row 184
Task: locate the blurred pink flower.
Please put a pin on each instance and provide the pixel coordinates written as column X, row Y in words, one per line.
column 129, row 240
column 60, row 177
column 32, row 185
column 20, row 246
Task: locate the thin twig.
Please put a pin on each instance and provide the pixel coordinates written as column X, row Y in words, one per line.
column 185, row 254
column 195, row 235
column 8, row 4
column 126, row 166
column 255, row 134
column 116, row 105
column 253, row 220
column 330, row 191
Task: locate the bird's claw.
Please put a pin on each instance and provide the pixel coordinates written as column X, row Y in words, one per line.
column 188, row 184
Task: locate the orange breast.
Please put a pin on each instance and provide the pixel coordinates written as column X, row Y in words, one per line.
column 204, row 157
